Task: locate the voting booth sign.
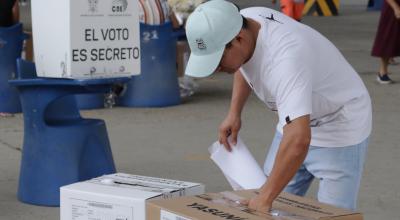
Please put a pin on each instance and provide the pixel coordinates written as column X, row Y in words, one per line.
column 86, row 39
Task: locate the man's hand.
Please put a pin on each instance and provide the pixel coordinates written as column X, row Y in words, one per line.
column 229, row 127
column 259, row 204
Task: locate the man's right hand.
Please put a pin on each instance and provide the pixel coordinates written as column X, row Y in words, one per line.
column 229, row 127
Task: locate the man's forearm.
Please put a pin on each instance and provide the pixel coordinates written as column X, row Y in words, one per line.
column 240, row 93
column 292, row 151
column 289, row 158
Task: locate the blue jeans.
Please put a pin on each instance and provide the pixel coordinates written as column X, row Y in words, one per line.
column 339, row 170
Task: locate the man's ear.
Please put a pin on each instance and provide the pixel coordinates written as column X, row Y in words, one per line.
column 242, row 34
column 239, row 36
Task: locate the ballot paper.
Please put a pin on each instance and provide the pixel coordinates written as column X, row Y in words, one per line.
column 239, row 167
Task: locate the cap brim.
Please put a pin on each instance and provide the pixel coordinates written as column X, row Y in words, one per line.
column 204, row 65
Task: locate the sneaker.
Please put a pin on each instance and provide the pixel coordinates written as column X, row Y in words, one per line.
column 383, row 79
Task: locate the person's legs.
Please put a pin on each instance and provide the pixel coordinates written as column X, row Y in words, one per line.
column 384, row 66
column 300, row 182
column 339, row 170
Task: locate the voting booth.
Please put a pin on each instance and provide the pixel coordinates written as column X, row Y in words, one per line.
column 81, row 47
column 86, row 39
column 60, row 147
column 92, row 39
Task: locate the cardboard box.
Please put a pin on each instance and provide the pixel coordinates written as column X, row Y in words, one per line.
column 86, row 39
column 182, row 57
column 119, row 196
column 226, row 205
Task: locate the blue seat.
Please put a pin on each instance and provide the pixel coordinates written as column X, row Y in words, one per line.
column 60, row 147
column 11, row 40
column 157, row 85
column 90, row 101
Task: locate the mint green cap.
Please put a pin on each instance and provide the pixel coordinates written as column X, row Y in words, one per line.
column 208, row 29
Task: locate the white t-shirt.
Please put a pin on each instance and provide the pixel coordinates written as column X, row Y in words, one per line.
column 296, row 71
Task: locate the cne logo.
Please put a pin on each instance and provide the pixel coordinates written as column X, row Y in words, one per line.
column 200, row 44
column 93, row 5
column 119, row 6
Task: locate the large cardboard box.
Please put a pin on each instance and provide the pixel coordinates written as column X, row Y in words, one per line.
column 226, row 205
column 86, row 39
column 119, row 196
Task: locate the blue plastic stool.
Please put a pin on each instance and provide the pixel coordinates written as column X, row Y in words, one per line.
column 375, row 5
column 157, row 86
column 60, row 147
column 90, row 101
column 11, row 40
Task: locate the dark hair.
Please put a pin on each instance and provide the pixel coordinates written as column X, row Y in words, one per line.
column 245, row 23
column 237, row 6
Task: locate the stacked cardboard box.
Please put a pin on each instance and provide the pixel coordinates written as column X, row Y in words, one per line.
column 226, row 205
column 119, row 196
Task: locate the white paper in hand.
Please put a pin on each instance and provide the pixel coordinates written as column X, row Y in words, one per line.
column 239, row 166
